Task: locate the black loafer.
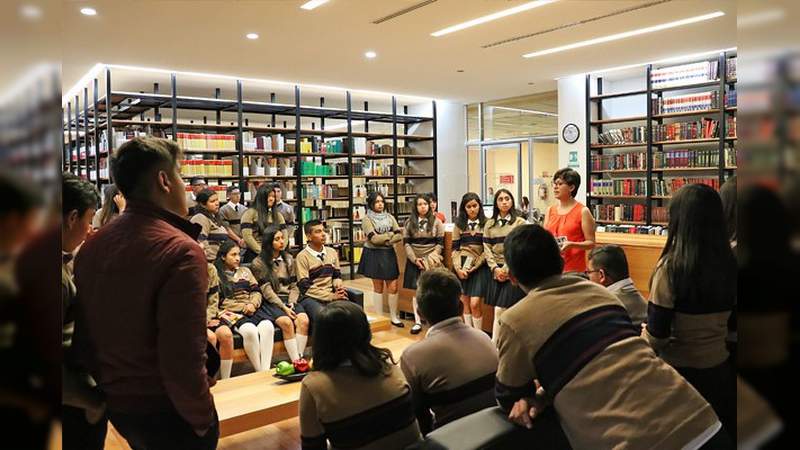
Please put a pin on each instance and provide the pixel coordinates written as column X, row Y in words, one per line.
column 399, row 324
column 416, row 328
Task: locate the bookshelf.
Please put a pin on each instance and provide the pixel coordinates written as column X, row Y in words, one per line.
column 680, row 128
column 326, row 173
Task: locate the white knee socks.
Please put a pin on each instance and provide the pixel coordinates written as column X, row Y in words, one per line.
column 498, row 311
column 377, row 303
column 393, row 308
column 468, row 320
column 477, row 322
column 249, row 334
column 225, row 368
column 416, row 313
column 291, row 349
column 266, row 337
column 301, row 340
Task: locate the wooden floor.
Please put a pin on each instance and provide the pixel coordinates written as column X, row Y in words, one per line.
column 285, row 435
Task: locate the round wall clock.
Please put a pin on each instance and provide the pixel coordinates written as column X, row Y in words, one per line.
column 571, row 133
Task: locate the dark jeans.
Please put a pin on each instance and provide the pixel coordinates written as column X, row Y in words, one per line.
column 162, row 431
column 78, row 434
column 312, row 307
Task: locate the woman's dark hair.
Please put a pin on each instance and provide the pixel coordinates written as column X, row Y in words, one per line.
column 432, row 197
column 372, row 198
column 513, row 212
column 110, row 208
column 461, row 220
column 263, row 209
column 525, row 202
column 266, row 257
column 697, row 256
column 412, row 225
column 225, row 287
column 202, row 200
column 728, row 195
column 569, row 176
column 77, row 194
column 342, row 333
column 532, row 254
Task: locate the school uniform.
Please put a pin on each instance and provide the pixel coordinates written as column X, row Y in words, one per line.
column 468, row 244
column 232, row 215
column 378, row 258
column 451, row 373
column 318, row 277
column 212, row 308
column 501, row 294
column 423, row 244
column 212, row 235
column 252, row 232
column 245, row 292
column 352, row 411
column 605, row 383
column 286, row 293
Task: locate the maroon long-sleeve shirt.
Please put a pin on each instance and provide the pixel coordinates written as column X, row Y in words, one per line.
column 140, row 324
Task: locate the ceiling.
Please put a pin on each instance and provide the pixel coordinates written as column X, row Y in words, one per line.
column 326, row 46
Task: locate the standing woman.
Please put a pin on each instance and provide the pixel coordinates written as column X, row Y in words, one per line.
column 256, row 220
column 207, row 216
column 505, row 217
column 240, row 294
column 379, row 260
column 274, row 270
column 424, row 239
column 692, row 294
column 113, row 205
column 469, row 262
column 569, row 221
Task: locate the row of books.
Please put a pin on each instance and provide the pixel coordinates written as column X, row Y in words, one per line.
column 685, row 158
column 684, row 74
column 699, row 101
column 219, row 189
column 628, row 186
column 199, row 141
column 633, row 229
column 659, row 214
column 620, row 213
column 678, row 131
column 670, row 185
column 207, row 167
column 622, row 161
column 629, row 135
column 730, row 69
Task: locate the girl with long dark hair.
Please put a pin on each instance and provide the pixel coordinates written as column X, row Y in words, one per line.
column 214, row 233
column 692, row 294
column 257, row 218
column 275, row 272
column 469, row 261
column 505, row 217
column 356, row 396
column 379, row 260
column 241, row 295
column 423, row 235
column 113, row 205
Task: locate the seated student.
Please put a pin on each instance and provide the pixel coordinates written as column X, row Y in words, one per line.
column 217, row 333
column 240, row 295
column 233, row 211
column 197, row 184
column 608, row 266
column 318, row 275
column 356, row 397
column 214, row 232
column 257, row 218
column 451, row 372
column 570, row 344
column 274, row 270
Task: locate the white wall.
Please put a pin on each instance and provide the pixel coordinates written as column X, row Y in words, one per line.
column 572, row 109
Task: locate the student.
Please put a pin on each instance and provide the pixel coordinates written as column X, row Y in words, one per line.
column 256, row 219
column 197, row 184
column 218, row 334
column 379, row 260
column 356, row 397
column 207, row 216
column 113, row 205
column 692, row 293
column 469, row 262
column 232, row 211
column 423, row 235
column 569, row 345
column 505, row 217
column 286, row 210
column 274, row 269
column 608, row 266
column 569, row 221
column 319, row 277
column 435, row 207
column 525, row 206
column 240, row 294
column 451, row 372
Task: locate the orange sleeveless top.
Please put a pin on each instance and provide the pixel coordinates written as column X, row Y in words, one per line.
column 569, row 226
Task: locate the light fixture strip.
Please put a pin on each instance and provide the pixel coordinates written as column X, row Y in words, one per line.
column 493, row 16
column 313, row 4
column 626, row 34
column 526, row 111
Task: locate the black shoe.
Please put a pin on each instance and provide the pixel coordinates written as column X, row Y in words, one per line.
column 398, row 324
column 416, row 328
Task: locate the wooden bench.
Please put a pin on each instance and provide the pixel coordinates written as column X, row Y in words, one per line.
column 257, row 399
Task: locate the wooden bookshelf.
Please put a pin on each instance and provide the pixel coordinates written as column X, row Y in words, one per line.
column 612, row 171
column 686, row 113
column 619, row 120
column 643, row 144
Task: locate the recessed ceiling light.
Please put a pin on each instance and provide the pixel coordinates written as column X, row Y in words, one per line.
column 491, row 17
column 370, row 54
column 252, row 36
column 626, row 34
column 313, row 4
column 88, row 11
column 30, row 11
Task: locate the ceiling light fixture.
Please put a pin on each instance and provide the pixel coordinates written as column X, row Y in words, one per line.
column 370, row 54
column 626, row 34
column 674, row 59
column 252, row 36
column 313, row 4
column 526, row 111
column 31, row 12
column 494, row 16
column 88, row 11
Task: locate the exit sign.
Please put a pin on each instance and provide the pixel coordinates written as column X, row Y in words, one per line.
column 506, row 179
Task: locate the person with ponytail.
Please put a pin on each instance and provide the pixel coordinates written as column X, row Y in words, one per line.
column 469, row 260
column 257, row 218
column 423, row 235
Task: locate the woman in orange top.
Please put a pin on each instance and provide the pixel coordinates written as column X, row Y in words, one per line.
column 569, row 221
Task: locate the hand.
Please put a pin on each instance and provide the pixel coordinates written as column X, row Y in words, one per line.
column 290, row 312
column 341, row 293
column 526, row 409
column 420, row 263
column 241, row 243
column 212, row 323
column 566, row 245
column 462, row 274
column 249, row 309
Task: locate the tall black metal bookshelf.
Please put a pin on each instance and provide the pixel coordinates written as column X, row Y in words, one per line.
column 596, row 123
column 85, row 121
